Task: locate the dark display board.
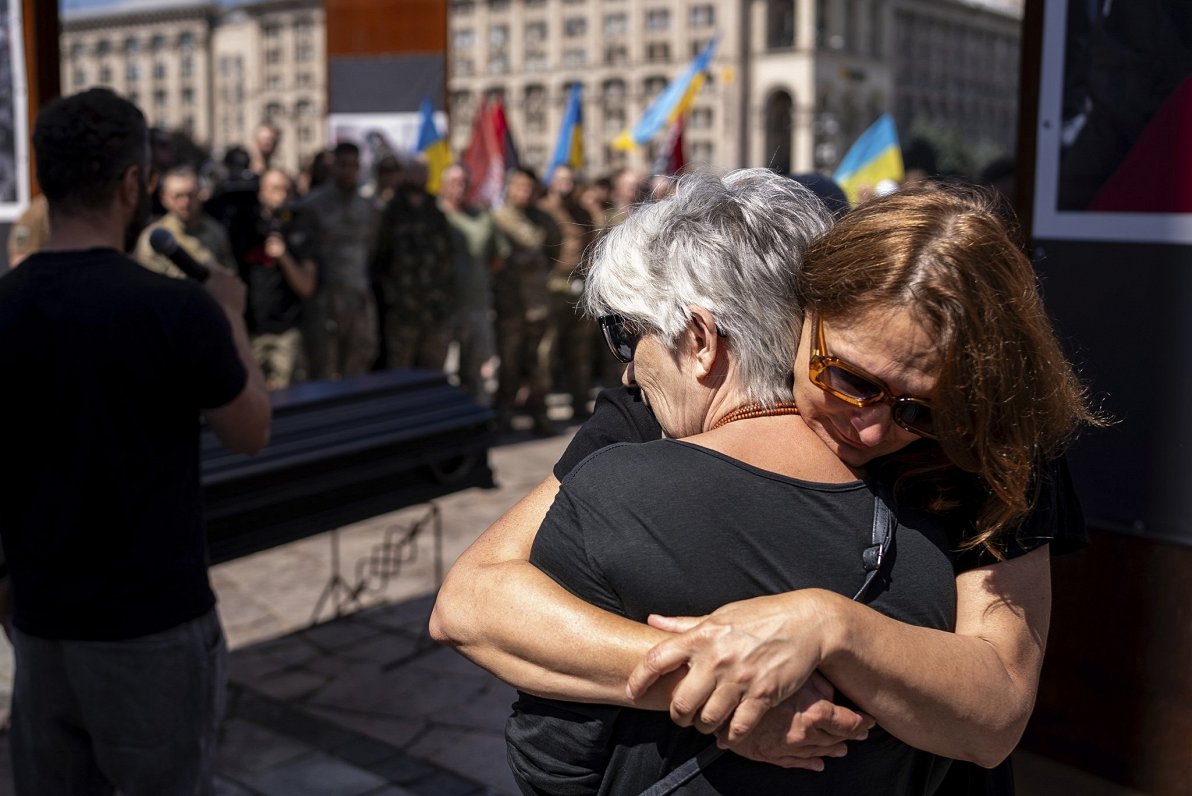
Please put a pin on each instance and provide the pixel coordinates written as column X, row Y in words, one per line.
column 1111, row 218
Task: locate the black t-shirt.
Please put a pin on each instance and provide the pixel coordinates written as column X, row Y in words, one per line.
column 674, row 528
column 106, row 368
column 620, row 415
column 273, row 306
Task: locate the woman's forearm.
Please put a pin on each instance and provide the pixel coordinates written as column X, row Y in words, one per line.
column 513, row 620
column 966, row 695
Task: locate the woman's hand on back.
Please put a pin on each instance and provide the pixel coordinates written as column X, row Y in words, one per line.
column 743, row 659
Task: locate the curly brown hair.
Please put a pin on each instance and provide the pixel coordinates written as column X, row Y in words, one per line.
column 1007, row 399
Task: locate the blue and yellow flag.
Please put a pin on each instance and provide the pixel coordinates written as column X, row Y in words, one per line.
column 875, row 156
column 569, row 151
column 674, row 100
column 434, row 146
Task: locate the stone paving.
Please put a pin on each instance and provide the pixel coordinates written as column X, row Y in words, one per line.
column 362, row 703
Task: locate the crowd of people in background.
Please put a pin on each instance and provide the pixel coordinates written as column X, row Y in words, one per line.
column 350, row 272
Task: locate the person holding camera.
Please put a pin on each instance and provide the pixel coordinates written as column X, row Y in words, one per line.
column 120, row 657
column 276, row 261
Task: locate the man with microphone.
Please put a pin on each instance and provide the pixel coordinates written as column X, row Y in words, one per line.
column 199, row 235
column 119, row 652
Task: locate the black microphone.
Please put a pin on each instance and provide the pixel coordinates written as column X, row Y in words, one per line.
column 163, row 242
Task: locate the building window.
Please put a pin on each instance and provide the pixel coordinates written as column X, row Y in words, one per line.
column 576, row 57
column 536, row 31
column 273, row 82
column 537, row 61
column 616, row 24
column 617, row 55
column 701, row 151
column 498, row 35
column 701, row 118
column 304, row 52
column 79, row 77
column 188, row 96
column 463, row 38
column 498, row 62
column 614, row 120
column 463, row 66
column 575, row 26
column 498, row 5
column 159, row 99
column 273, row 55
column 133, row 72
column 304, row 80
column 105, row 75
column 658, row 19
column 271, row 30
column 132, row 46
column 780, row 24
column 303, row 109
column 134, row 97
column 273, row 111
column 157, row 43
column 305, row 136
column 659, row 51
column 653, row 86
column 188, row 124
column 103, row 47
column 188, row 65
column 76, row 50
column 703, row 16
column 186, row 41
column 463, row 7
column 535, row 108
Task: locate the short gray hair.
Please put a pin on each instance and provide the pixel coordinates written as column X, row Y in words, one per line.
column 732, row 245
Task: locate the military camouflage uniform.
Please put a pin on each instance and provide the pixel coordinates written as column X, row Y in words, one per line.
column 30, row 232
column 341, row 326
column 416, row 275
column 207, row 240
column 521, row 299
column 570, row 335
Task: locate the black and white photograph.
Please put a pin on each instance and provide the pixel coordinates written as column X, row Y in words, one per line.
column 14, row 187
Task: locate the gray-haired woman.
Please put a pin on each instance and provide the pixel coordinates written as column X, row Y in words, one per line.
column 699, row 295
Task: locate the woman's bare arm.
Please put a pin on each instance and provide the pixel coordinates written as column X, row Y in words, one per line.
column 510, row 618
column 965, row 695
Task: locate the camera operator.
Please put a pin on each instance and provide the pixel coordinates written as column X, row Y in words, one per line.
column 277, row 261
column 120, row 658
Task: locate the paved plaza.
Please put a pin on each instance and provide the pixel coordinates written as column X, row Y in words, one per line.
column 362, row 704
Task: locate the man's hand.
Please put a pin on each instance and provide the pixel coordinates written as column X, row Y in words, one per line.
column 275, row 246
column 227, row 288
column 803, row 730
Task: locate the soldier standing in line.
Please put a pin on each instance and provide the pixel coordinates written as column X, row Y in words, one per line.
column 480, row 250
column 522, row 300
column 570, row 335
column 416, row 275
column 199, row 235
column 341, row 330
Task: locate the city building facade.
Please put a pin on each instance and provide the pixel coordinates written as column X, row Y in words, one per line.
column 212, row 71
column 792, row 84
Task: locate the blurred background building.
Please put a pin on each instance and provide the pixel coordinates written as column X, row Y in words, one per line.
column 208, row 69
column 792, row 85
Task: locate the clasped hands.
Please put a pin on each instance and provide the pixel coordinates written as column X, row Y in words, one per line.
column 752, row 681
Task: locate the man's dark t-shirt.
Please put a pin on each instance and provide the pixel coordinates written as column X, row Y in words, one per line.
column 107, row 366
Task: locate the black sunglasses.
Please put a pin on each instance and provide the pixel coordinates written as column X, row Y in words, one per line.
column 620, row 336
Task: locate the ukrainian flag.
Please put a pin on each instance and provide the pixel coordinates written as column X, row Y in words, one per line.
column 432, row 144
column 569, row 151
column 875, row 156
column 674, row 100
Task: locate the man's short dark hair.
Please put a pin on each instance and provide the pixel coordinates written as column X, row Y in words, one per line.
column 346, row 148
column 84, row 143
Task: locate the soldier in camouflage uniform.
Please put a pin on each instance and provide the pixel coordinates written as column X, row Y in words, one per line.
column 198, row 234
column 416, row 275
column 341, row 328
column 522, row 300
column 570, row 335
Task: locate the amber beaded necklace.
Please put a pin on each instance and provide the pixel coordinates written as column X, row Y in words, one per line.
column 750, row 411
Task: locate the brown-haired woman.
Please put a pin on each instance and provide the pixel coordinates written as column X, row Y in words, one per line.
column 926, row 355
